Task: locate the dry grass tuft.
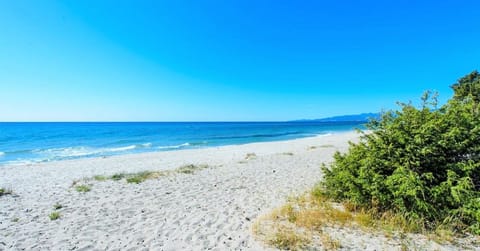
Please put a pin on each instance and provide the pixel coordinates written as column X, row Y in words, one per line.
column 190, row 169
column 294, row 225
column 320, row 146
column 328, row 242
column 289, row 239
column 250, row 156
column 282, row 235
column 142, row 176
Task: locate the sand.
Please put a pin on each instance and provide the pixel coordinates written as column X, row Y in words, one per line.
column 211, row 209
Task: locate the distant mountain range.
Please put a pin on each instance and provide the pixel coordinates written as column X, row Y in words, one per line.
column 363, row 117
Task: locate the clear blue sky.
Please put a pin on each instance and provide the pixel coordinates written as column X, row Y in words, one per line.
column 228, row 60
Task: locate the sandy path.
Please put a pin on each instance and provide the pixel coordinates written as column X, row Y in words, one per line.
column 210, row 209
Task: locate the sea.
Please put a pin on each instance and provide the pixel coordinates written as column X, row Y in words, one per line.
column 23, row 143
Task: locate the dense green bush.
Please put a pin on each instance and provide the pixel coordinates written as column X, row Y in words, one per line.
column 422, row 163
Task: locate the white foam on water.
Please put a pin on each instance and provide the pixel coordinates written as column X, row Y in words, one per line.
column 174, row 146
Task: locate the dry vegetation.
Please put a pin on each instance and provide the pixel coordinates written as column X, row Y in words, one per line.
column 299, row 224
column 84, row 185
column 305, row 222
column 320, row 146
column 250, row 156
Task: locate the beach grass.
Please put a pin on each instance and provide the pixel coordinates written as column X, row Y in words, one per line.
column 142, row 176
column 328, row 242
column 289, row 239
column 139, row 177
column 54, row 215
column 311, row 214
column 320, row 146
column 117, row 176
column 250, row 156
column 135, row 179
column 99, row 178
column 190, row 169
column 83, row 188
column 5, row 191
column 294, row 225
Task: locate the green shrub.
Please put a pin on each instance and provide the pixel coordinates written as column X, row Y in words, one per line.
column 422, row 163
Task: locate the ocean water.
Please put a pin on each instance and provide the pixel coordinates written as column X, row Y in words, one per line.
column 40, row 142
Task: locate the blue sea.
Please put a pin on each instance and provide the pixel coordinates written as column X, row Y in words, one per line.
column 41, row 142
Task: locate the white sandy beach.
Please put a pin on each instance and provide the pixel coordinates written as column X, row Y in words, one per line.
column 211, row 209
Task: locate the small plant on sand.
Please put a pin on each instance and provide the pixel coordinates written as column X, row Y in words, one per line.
column 135, row 179
column 250, row 156
column 320, row 146
column 57, row 206
column 142, row 176
column 5, row 191
column 328, row 242
column 99, row 178
column 117, row 176
column 54, row 215
column 190, row 169
column 289, row 239
column 326, row 146
column 138, row 177
column 83, row 188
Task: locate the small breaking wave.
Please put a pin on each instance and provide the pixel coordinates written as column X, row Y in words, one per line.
column 174, row 146
column 147, row 144
column 120, row 149
column 82, row 151
column 25, row 157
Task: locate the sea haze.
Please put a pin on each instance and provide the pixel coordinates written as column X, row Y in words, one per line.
column 40, row 142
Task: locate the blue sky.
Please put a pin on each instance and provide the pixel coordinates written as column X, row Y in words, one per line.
column 228, row 60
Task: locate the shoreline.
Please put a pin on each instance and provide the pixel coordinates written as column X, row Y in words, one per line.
column 150, row 154
column 211, row 208
column 157, row 149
